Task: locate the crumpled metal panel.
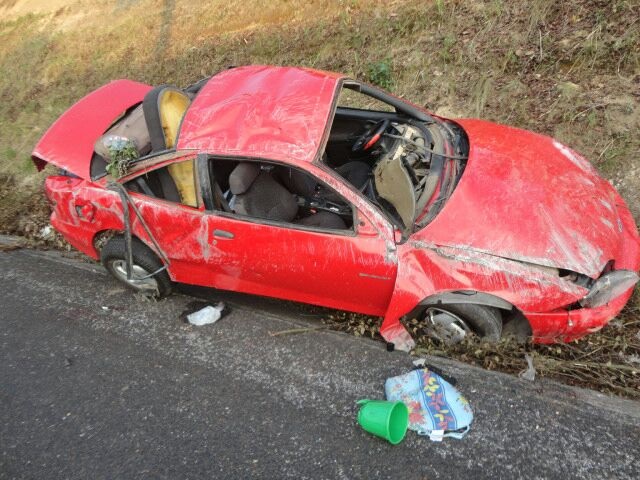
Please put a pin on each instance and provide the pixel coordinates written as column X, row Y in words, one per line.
column 527, row 197
column 279, row 113
column 425, row 270
column 68, row 144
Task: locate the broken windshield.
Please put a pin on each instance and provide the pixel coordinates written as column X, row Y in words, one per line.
column 402, row 159
column 417, row 170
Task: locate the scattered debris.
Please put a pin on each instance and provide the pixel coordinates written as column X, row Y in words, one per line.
column 436, row 408
column 420, row 362
column 207, row 315
column 530, row 372
column 46, row 232
column 385, row 419
column 121, row 152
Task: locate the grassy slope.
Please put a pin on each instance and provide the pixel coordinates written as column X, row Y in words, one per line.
column 569, row 69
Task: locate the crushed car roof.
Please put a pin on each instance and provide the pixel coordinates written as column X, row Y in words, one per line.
column 69, row 142
column 279, row 113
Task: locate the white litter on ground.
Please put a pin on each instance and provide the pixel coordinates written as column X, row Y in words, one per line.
column 530, row 373
column 45, row 232
column 207, row 315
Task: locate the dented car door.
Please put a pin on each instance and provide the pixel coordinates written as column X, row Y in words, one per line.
column 349, row 271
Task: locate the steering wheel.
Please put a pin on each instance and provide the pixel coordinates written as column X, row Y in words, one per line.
column 371, row 137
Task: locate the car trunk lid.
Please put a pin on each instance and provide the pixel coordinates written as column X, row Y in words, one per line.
column 69, row 142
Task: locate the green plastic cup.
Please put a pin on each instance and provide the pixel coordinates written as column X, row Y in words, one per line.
column 388, row 420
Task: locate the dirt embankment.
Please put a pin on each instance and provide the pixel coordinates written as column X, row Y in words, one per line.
column 25, row 212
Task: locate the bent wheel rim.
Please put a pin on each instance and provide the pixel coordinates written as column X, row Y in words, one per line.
column 445, row 326
column 138, row 274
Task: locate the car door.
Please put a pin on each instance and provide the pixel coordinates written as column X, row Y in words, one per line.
column 350, row 269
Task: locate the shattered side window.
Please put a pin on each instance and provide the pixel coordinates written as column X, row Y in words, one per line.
column 175, row 182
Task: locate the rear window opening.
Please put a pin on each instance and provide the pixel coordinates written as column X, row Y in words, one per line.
column 175, row 183
column 150, row 127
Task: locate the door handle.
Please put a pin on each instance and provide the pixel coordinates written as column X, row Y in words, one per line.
column 222, row 234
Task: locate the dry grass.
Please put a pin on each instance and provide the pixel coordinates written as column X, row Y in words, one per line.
column 569, row 69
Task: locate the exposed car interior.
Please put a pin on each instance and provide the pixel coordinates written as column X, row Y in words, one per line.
column 153, row 126
column 403, row 160
column 174, row 184
column 279, row 193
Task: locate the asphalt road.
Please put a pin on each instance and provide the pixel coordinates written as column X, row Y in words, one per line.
column 97, row 383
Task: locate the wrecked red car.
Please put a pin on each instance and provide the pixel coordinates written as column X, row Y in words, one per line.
column 310, row 186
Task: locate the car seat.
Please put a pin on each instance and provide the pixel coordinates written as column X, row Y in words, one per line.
column 164, row 107
column 258, row 194
column 356, row 173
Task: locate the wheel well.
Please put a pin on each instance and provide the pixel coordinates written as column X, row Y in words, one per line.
column 513, row 320
column 101, row 238
column 515, row 324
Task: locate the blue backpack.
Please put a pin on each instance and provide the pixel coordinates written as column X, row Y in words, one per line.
column 436, row 408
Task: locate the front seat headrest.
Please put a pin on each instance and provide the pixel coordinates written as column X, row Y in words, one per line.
column 164, row 107
column 242, row 177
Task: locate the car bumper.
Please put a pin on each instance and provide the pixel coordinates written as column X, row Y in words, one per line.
column 568, row 325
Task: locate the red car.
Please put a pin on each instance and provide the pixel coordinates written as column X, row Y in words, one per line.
column 310, row 186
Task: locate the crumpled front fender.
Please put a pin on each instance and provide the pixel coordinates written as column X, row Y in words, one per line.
column 426, row 270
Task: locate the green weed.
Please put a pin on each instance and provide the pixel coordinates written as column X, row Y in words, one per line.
column 380, row 73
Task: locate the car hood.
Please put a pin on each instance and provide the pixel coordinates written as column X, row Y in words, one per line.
column 527, row 197
column 69, row 142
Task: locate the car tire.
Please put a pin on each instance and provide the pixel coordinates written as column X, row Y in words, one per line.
column 145, row 262
column 482, row 321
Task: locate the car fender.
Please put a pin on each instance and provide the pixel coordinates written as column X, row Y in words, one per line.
column 430, row 273
column 83, row 211
column 469, row 297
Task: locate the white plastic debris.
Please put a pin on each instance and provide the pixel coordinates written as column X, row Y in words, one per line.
column 207, row 315
column 530, row 372
column 45, row 232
